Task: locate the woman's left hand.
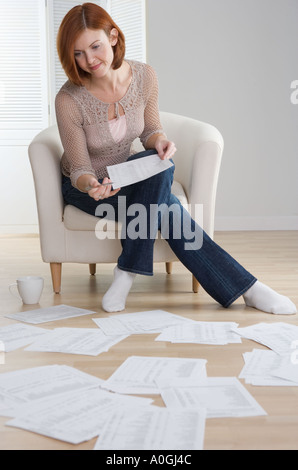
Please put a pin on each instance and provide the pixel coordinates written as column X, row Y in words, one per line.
column 165, row 148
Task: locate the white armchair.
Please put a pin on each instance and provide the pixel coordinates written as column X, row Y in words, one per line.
column 68, row 235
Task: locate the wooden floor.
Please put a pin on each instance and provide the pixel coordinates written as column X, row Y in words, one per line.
column 270, row 256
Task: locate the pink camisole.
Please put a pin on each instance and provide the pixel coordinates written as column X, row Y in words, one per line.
column 118, row 128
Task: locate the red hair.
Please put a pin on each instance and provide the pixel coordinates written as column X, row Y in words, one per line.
column 78, row 19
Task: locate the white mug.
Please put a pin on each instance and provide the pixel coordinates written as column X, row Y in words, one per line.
column 29, row 287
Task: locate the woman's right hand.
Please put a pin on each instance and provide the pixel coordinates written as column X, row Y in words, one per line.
column 100, row 191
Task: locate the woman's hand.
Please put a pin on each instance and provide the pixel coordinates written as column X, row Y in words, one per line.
column 101, row 191
column 165, row 148
column 97, row 190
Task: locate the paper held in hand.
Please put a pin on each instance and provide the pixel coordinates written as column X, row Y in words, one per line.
column 137, row 170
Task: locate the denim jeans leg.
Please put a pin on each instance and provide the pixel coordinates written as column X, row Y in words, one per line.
column 217, row 271
column 137, row 252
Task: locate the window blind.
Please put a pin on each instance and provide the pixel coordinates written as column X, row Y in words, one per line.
column 23, row 77
column 31, row 73
column 129, row 15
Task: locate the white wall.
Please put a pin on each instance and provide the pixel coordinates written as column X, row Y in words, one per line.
column 231, row 63
column 18, row 208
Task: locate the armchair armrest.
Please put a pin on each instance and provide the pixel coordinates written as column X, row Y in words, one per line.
column 198, row 158
column 44, row 153
column 206, row 166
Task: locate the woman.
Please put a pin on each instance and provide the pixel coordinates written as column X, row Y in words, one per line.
column 107, row 103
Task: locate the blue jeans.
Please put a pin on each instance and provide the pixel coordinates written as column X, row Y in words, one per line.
column 217, row 272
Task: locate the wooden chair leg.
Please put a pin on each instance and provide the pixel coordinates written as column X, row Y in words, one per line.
column 169, row 267
column 92, row 269
column 195, row 285
column 56, row 269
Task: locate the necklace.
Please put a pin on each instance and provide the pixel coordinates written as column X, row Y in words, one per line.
column 116, row 108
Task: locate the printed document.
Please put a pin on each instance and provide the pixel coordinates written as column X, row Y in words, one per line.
column 18, row 335
column 277, row 336
column 74, row 417
column 222, row 397
column 137, row 170
column 201, row 333
column 139, row 323
column 86, row 341
column 43, row 315
column 288, row 372
column 153, row 428
column 267, row 368
column 147, row 375
column 28, row 385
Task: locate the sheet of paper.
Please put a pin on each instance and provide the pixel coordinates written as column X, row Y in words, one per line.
column 153, row 428
column 44, row 315
column 276, row 336
column 222, row 397
column 74, row 417
column 28, row 385
column 137, row 170
column 146, row 375
column 18, row 335
column 139, row 323
column 86, row 341
column 202, row 333
column 288, row 372
column 265, row 368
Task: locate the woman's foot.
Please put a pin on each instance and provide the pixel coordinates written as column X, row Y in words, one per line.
column 115, row 298
column 266, row 299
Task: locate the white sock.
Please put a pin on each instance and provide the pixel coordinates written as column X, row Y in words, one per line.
column 115, row 298
column 266, row 299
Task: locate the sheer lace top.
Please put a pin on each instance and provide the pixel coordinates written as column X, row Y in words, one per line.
column 90, row 140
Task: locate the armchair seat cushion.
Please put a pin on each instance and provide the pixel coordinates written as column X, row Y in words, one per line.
column 75, row 219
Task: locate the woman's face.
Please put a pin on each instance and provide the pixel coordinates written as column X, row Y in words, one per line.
column 93, row 51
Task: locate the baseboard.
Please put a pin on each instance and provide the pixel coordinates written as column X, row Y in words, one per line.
column 18, row 229
column 255, row 223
